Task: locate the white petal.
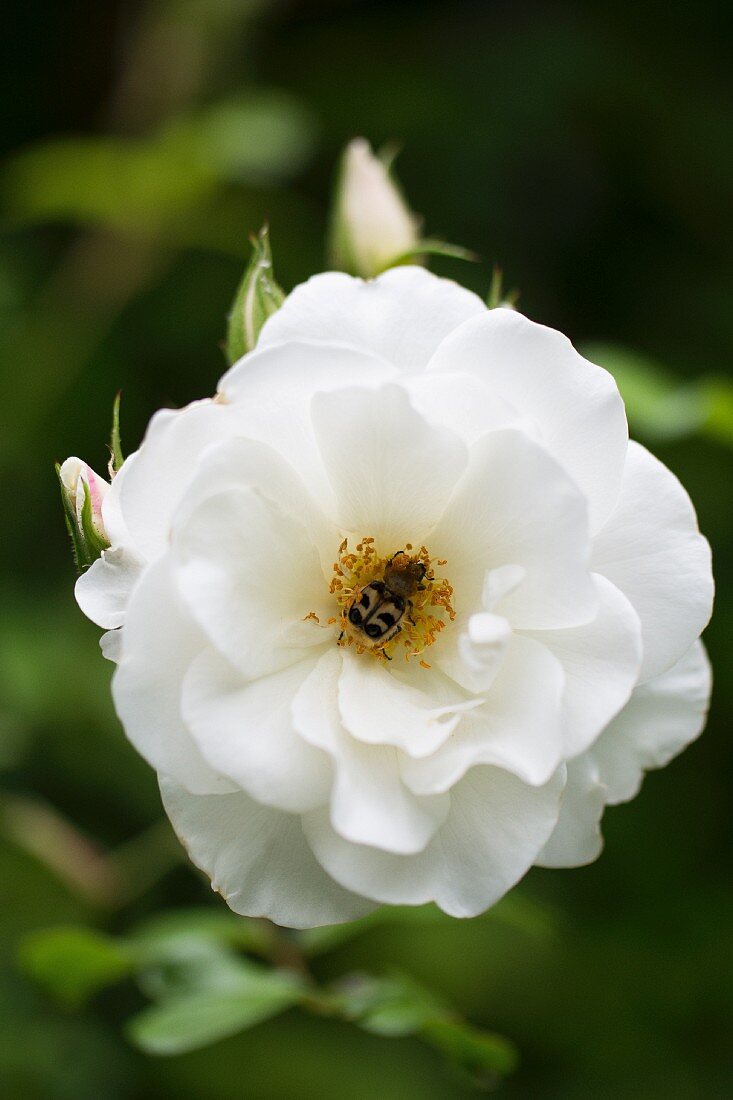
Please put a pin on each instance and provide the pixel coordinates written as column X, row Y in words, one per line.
column 575, row 405
column 111, row 645
column 158, row 644
column 516, row 506
column 249, row 575
column 601, row 661
column 379, row 709
column 577, row 837
column 461, row 402
column 518, row 727
column 495, row 828
column 391, row 472
column 247, row 463
column 246, row 732
column 401, row 316
column 652, row 550
column 481, row 649
column 258, row 859
column 152, row 481
column 103, row 591
column 662, row 717
column 269, row 393
column 369, row 802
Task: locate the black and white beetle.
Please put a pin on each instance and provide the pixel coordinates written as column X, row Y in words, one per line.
column 377, row 614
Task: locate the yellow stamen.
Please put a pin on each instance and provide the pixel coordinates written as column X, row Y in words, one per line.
column 428, row 609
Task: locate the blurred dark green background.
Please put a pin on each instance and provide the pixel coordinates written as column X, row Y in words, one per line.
column 588, row 148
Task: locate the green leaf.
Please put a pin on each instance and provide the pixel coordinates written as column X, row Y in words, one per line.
column 394, row 1005
column 398, row 1006
column 115, row 446
column 257, row 298
column 659, row 407
column 74, row 963
column 160, row 934
column 484, row 1055
column 191, row 1020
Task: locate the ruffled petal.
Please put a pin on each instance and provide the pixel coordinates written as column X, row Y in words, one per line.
column 493, row 833
column 516, row 506
column 258, row 860
column 159, row 642
column 401, row 316
column 662, row 717
column 380, row 709
column 103, row 591
column 269, row 393
column 652, row 550
column 369, row 802
column 518, row 727
column 392, row 473
column 250, row 575
column 576, row 406
column 601, row 661
column 577, row 839
column 246, row 732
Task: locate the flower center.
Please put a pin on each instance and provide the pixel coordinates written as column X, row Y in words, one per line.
column 389, row 605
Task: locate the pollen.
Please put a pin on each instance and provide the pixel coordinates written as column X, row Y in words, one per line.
column 419, row 603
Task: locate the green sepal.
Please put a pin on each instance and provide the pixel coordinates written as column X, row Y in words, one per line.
column 95, row 542
column 433, row 247
column 115, row 443
column 497, row 296
column 257, row 298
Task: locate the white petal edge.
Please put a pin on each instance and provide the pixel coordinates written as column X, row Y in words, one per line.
column 159, row 642
column 652, row 550
column 493, row 833
column 663, row 717
column 574, row 404
column 601, row 661
column 258, row 860
column 576, row 840
column 246, row 732
column 401, row 316
column 103, row 591
column 369, row 802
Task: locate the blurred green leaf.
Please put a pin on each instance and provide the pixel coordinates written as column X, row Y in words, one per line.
column 257, row 298
column 484, row 1055
column 659, row 406
column 398, row 1006
column 191, row 1020
column 433, row 247
column 394, row 1005
column 141, row 184
column 74, row 963
column 163, row 933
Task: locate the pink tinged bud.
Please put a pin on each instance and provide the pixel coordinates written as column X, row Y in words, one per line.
column 74, row 475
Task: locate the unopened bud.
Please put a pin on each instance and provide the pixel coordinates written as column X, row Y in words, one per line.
column 82, row 493
column 372, row 226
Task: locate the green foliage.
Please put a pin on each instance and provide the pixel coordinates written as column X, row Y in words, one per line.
column 660, row 407
column 224, row 1000
column 257, row 298
column 72, row 963
column 143, row 184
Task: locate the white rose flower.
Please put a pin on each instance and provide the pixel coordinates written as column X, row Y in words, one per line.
column 401, row 608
